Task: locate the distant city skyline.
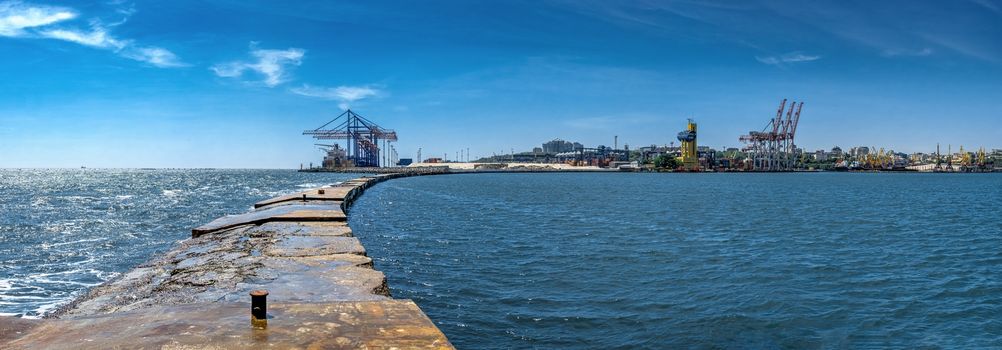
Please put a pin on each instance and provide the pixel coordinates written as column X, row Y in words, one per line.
column 230, row 84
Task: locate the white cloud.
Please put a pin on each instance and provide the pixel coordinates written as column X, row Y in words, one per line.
column 270, row 63
column 345, row 94
column 15, row 17
column 156, row 56
column 792, row 57
column 607, row 122
column 902, row 52
column 20, row 20
column 98, row 37
column 987, row 4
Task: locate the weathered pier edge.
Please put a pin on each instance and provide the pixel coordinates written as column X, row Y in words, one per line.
column 323, row 290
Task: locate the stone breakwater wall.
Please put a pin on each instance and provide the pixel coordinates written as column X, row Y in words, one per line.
column 429, row 170
column 323, row 289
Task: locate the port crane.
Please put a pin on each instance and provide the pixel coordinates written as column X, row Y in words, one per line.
column 362, row 137
column 772, row 149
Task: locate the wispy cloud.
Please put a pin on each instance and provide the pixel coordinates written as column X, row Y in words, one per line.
column 608, row 122
column 882, row 26
column 271, row 64
column 656, row 14
column 975, row 48
column 36, row 22
column 345, row 94
column 988, row 4
column 97, row 37
column 792, row 57
column 905, row 52
column 15, row 17
column 929, row 28
column 156, row 56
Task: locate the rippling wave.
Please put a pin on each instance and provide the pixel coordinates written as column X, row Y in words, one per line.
column 747, row 261
column 63, row 231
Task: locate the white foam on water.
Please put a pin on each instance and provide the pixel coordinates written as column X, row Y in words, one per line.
column 263, row 193
column 44, row 309
column 63, row 226
column 78, row 198
column 172, row 193
column 90, row 259
column 78, row 242
column 40, row 202
column 74, row 283
column 36, row 276
column 21, row 297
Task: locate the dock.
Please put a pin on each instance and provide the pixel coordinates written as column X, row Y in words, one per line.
column 322, row 289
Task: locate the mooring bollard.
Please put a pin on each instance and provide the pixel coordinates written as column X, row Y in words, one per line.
column 259, row 308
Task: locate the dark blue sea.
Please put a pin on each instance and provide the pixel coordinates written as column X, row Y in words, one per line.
column 580, row 261
column 695, row 261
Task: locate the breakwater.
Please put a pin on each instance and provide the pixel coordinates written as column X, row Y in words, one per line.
column 486, row 168
column 323, row 289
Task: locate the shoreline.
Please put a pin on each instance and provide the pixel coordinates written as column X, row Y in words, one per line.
column 447, row 170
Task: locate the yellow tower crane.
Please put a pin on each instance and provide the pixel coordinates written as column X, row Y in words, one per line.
column 690, row 155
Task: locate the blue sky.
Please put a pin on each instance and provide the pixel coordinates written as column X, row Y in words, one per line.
column 234, row 83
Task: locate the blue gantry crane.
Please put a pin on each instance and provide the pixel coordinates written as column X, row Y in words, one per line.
column 362, row 137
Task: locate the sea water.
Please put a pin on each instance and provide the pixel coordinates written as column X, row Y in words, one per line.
column 704, row 261
column 579, row 260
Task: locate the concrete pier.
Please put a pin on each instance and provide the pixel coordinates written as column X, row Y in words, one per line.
column 323, row 290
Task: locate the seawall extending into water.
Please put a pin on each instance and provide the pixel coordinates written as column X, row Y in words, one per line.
column 322, row 289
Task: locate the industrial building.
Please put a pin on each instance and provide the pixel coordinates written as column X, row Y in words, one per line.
column 560, row 146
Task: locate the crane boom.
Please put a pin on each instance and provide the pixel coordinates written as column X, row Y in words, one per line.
column 779, row 117
column 796, row 120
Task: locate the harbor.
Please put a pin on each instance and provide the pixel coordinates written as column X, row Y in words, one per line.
column 396, row 175
column 360, row 145
column 516, row 260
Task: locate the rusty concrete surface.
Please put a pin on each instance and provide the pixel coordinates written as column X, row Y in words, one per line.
column 299, row 213
column 301, row 202
column 281, row 228
column 12, row 328
column 336, row 193
column 318, row 262
column 290, row 246
column 387, row 324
